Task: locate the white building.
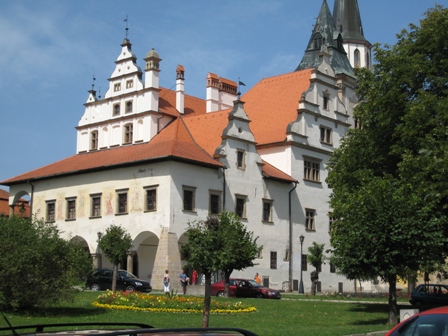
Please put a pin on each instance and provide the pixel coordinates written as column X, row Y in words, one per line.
column 152, row 159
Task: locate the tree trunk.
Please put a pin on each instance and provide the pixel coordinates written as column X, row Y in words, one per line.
column 114, row 278
column 207, row 300
column 393, row 309
column 227, row 282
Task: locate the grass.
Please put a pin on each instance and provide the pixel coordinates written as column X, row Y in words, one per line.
column 288, row 316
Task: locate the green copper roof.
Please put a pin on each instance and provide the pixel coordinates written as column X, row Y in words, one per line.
column 325, row 33
column 347, row 20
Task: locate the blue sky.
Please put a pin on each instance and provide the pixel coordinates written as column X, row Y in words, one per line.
column 51, row 49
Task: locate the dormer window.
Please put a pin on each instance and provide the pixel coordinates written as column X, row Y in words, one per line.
column 240, row 159
column 116, row 109
column 318, row 41
column 128, row 133
column 117, row 87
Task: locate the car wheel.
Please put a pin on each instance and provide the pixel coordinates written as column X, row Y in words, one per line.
column 130, row 288
column 95, row 287
column 221, row 293
column 259, row 295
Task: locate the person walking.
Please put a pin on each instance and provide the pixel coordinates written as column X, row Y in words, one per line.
column 166, row 282
column 183, row 281
column 257, row 278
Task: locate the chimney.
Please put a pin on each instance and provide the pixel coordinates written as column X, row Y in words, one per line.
column 212, row 93
column 152, row 70
column 180, row 90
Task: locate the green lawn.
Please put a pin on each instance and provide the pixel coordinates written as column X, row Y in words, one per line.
column 288, row 316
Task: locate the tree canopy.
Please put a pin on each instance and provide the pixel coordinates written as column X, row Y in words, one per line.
column 220, row 243
column 115, row 244
column 389, row 177
column 37, row 266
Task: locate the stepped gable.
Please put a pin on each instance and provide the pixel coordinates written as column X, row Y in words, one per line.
column 174, row 142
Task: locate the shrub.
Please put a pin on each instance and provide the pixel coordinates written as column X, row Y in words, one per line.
column 37, row 267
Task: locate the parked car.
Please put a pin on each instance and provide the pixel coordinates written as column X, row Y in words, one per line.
column 115, row 329
column 429, row 295
column 245, row 288
column 101, row 279
column 432, row 322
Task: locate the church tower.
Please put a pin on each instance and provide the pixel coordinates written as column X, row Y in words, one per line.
column 325, row 37
column 347, row 20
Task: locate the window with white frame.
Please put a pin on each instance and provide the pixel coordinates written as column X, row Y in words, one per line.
column 311, row 170
column 129, row 84
column 267, row 210
column 95, row 205
column 122, row 201
column 189, row 198
column 310, row 215
column 51, row 211
column 215, row 202
column 151, row 198
column 240, row 206
column 117, row 87
column 326, row 135
column 71, row 208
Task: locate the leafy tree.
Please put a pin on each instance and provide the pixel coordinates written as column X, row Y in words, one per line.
column 37, row 267
column 115, row 244
column 315, row 258
column 239, row 248
column 219, row 243
column 389, row 177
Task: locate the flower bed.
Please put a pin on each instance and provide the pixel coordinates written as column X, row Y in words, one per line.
column 172, row 303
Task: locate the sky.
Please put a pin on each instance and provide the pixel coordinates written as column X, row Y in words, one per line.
column 52, row 49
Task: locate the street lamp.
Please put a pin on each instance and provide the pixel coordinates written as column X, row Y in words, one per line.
column 302, row 238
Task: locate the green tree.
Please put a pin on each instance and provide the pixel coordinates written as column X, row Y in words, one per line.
column 388, row 192
column 37, row 267
column 315, row 258
column 218, row 244
column 115, row 244
column 239, row 248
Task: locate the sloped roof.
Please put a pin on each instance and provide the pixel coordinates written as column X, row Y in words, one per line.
column 272, row 104
column 347, row 20
column 192, row 105
column 173, row 142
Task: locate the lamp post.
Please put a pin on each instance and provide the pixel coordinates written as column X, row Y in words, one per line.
column 302, row 238
column 99, row 261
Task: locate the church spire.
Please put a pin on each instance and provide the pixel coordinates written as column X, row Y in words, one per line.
column 325, row 36
column 347, row 19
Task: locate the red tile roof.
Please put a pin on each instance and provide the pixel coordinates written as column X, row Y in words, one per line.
column 271, row 105
column 173, row 142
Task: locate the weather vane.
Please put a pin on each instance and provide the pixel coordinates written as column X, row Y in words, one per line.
column 93, row 82
column 240, row 83
column 127, row 28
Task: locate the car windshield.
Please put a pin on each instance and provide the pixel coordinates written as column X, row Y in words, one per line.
column 254, row 283
column 436, row 324
column 127, row 275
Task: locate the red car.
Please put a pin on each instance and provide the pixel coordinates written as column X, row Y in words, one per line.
column 430, row 322
column 245, row 288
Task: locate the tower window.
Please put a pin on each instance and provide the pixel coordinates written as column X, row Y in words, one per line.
column 357, row 58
